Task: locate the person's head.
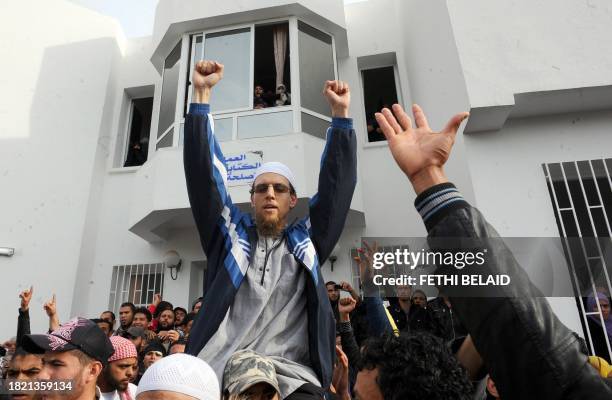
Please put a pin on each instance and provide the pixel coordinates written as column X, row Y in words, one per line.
column 419, row 298
column 272, row 197
column 604, row 304
column 196, row 305
column 179, row 316
column 250, row 376
column 23, row 366
column 258, row 90
column 121, row 367
column 76, row 351
column 177, row 347
column 104, row 325
column 142, row 318
column 188, row 323
column 154, row 352
column 166, row 320
column 280, row 89
column 416, row 366
column 126, row 314
column 179, row 377
column 110, row 317
column 136, row 335
column 162, row 306
column 403, row 292
column 332, row 292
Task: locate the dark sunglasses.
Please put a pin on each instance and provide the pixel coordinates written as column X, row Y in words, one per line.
column 263, row 188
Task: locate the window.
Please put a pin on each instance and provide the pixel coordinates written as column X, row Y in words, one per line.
column 138, row 136
column 316, row 57
column 167, row 109
column 379, row 91
column 136, row 283
column 581, row 196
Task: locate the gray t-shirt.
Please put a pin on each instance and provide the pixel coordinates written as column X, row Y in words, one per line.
column 269, row 318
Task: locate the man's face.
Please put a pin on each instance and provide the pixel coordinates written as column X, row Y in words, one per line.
column 333, row 293
column 10, row 346
column 119, row 373
column 66, row 366
column 258, row 90
column 24, row 368
column 108, row 317
column 272, row 207
column 151, row 357
column 605, row 308
column 197, row 307
column 366, row 387
column 177, row 348
column 125, row 316
column 404, row 292
column 140, row 320
column 179, row 316
column 419, row 299
column 166, row 319
column 105, row 328
column 260, row 391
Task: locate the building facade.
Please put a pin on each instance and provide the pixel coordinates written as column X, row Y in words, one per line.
column 87, row 107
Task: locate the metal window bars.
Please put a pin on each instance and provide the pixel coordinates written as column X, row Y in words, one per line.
column 136, row 283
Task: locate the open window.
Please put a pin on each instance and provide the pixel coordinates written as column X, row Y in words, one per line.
column 379, row 91
column 138, row 134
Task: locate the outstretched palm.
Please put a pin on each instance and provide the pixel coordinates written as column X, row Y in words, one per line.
column 417, row 149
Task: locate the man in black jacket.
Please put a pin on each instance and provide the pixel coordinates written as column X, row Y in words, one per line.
column 530, row 354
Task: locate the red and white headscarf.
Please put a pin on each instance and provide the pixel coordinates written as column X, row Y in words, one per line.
column 124, row 348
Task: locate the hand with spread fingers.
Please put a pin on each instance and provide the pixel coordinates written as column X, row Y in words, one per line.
column 418, row 151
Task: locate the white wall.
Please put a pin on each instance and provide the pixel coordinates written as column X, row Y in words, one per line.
column 56, row 65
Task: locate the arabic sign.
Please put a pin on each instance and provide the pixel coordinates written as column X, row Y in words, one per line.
column 241, row 167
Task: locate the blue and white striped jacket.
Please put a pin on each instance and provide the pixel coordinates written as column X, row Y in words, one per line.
column 229, row 236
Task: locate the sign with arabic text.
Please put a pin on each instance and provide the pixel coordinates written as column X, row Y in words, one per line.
column 241, row 167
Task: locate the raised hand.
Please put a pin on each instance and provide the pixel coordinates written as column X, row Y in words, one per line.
column 157, row 299
column 25, row 297
column 206, row 74
column 419, row 152
column 340, row 377
column 338, row 96
column 346, row 305
column 365, row 261
column 51, row 307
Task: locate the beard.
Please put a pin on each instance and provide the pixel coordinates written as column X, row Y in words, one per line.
column 118, row 385
column 269, row 226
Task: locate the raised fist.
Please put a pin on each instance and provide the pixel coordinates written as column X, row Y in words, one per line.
column 346, row 305
column 338, row 96
column 206, row 74
column 26, row 296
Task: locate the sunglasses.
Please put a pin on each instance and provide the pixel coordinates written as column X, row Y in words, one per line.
column 263, row 188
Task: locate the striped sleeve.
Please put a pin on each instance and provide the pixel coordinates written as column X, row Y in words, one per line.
column 437, row 202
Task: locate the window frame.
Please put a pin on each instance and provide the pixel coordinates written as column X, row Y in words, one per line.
column 398, row 90
column 187, row 61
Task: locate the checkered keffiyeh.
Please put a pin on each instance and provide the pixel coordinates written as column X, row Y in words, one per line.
column 124, row 348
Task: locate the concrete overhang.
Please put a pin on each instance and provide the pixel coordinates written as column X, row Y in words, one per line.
column 159, row 201
column 173, row 18
column 531, row 104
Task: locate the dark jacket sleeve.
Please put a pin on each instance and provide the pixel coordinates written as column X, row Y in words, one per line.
column 529, row 353
column 206, row 177
column 23, row 325
column 349, row 344
column 337, row 180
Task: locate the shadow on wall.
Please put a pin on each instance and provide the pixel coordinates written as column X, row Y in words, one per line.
column 51, row 172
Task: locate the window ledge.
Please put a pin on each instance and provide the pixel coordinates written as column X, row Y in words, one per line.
column 124, row 170
column 382, row 143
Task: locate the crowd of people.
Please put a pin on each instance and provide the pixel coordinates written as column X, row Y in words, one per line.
column 270, row 327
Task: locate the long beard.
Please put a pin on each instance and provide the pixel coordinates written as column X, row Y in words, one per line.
column 269, row 226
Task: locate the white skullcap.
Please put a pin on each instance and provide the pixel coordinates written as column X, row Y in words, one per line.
column 276, row 168
column 181, row 373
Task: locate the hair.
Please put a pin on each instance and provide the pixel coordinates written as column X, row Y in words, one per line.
column 84, row 359
column 102, row 321
column 113, row 317
column 162, row 306
column 145, row 311
column 181, row 309
column 417, row 366
column 330, row 283
column 128, row 304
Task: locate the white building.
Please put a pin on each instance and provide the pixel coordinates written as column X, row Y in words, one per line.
column 535, row 76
